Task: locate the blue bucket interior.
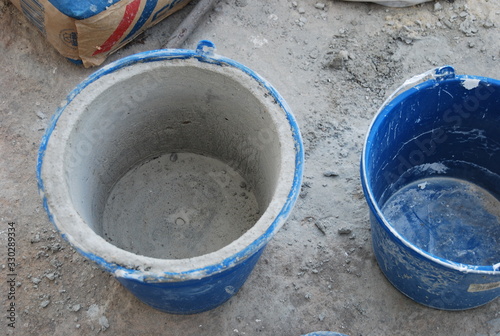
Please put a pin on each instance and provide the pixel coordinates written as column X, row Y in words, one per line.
column 431, row 168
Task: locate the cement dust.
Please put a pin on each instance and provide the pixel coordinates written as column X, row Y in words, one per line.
column 179, row 205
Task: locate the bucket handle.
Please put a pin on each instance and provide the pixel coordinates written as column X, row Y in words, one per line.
column 437, row 74
column 205, row 48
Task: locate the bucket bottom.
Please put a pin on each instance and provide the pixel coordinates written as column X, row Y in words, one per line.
column 179, row 205
column 450, row 218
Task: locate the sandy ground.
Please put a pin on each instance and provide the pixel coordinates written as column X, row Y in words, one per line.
column 334, row 65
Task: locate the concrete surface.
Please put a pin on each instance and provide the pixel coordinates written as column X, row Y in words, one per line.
column 334, row 62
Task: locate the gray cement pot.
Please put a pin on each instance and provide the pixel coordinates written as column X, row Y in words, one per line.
column 172, row 169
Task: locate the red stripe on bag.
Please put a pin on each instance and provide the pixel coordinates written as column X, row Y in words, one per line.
column 129, row 16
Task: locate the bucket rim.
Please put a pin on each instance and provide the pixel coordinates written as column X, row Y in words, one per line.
column 203, row 53
column 394, row 99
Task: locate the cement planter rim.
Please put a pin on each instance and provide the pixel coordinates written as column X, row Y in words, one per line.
column 154, row 269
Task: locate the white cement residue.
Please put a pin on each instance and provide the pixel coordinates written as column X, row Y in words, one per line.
column 470, row 83
column 473, row 134
column 436, row 167
column 422, row 185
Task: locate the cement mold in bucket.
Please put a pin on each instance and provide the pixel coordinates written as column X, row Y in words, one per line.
column 430, row 171
column 172, row 170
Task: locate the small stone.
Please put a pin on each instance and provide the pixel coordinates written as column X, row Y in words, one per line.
column 44, row 303
column 344, row 231
column 330, row 174
column 55, row 247
column 103, row 321
column 448, row 24
column 40, row 115
column 36, row 239
column 50, row 276
column 488, row 24
column 77, row 326
column 319, row 5
column 468, row 27
column 337, row 63
column 173, row 157
column 93, row 311
column 56, row 263
column 437, row 7
column 320, row 227
column 344, row 54
column 36, row 281
column 301, row 10
column 75, row 307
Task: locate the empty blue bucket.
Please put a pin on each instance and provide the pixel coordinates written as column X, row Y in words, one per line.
column 430, row 171
column 172, row 170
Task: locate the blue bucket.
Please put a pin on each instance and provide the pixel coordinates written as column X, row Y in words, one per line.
column 430, row 171
column 325, row 333
column 156, row 110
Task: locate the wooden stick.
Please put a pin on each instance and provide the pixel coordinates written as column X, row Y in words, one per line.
column 189, row 24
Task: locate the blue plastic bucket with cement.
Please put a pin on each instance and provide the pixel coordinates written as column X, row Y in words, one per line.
column 430, row 171
column 172, row 170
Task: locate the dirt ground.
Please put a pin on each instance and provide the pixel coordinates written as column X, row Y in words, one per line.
column 334, row 63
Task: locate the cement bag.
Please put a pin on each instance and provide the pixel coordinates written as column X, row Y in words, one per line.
column 395, row 3
column 87, row 31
